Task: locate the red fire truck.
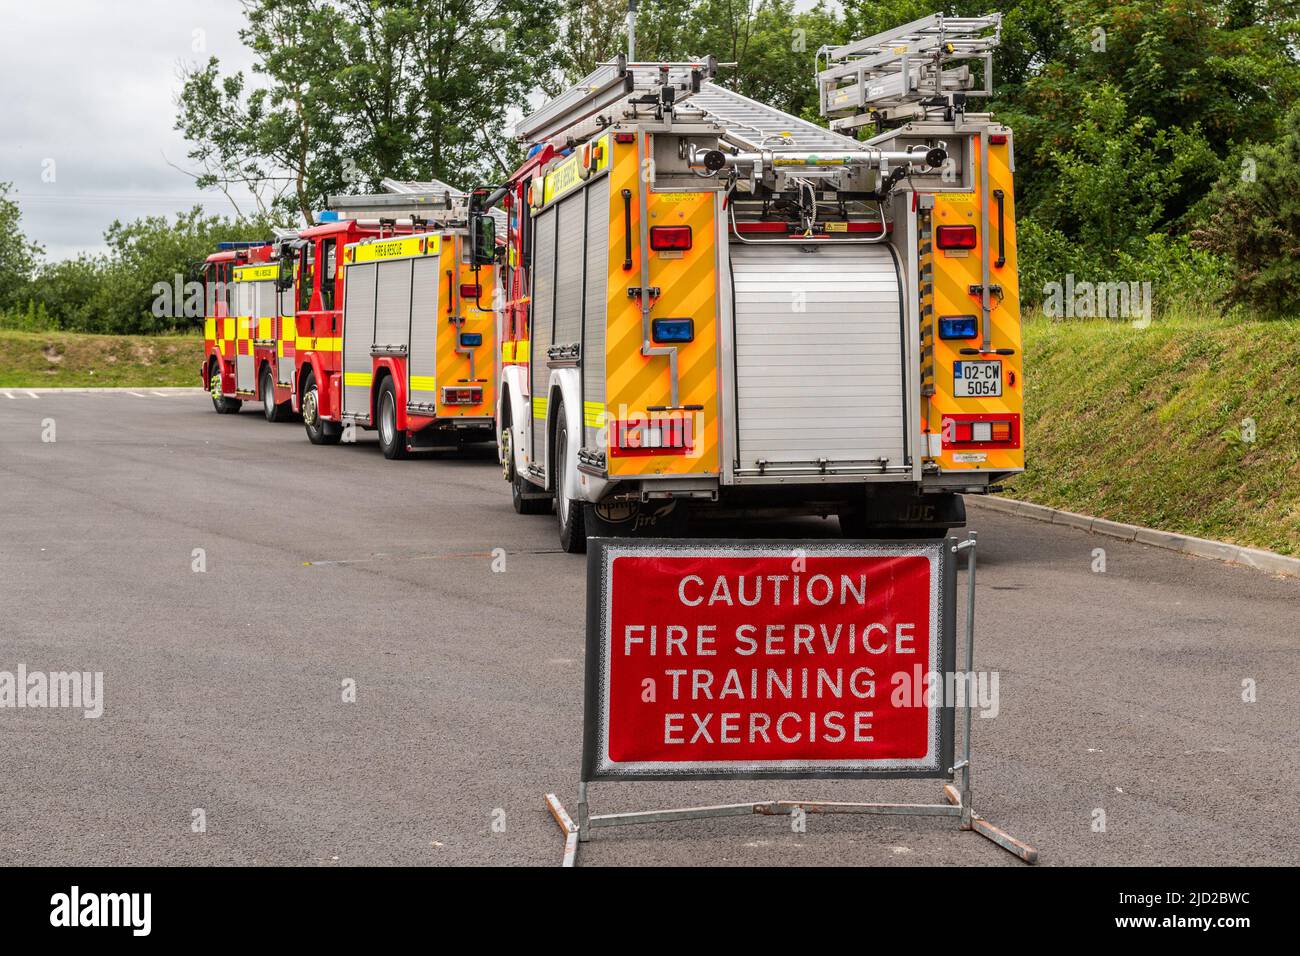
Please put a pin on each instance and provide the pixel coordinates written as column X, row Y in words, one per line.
column 712, row 303
column 248, row 329
column 396, row 332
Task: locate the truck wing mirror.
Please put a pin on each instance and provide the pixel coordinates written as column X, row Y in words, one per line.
column 483, row 236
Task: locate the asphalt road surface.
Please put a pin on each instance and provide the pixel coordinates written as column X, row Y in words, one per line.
column 223, row 711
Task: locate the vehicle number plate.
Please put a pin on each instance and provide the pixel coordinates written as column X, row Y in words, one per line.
column 977, row 379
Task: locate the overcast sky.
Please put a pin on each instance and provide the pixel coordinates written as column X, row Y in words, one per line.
column 90, row 85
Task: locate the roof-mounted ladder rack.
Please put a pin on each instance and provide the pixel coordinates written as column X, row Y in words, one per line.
column 896, row 74
column 613, row 85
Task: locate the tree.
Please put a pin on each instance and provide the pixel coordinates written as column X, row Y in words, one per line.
column 592, row 32
column 1255, row 223
column 1227, row 68
column 1117, row 175
column 18, row 255
column 116, row 292
column 347, row 92
column 772, row 45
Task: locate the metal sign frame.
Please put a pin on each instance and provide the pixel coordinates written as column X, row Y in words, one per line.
column 957, row 803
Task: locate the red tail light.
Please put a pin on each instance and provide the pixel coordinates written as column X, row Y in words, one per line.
column 655, row 436
column 670, row 237
column 469, row 290
column 956, row 237
column 462, row 395
column 981, row 431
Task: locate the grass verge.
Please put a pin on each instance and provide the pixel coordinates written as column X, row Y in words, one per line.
column 1189, row 425
column 71, row 359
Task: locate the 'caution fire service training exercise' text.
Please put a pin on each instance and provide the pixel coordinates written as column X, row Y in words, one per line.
column 711, row 659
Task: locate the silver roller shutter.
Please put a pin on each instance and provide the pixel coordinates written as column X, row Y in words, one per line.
column 597, row 279
column 422, row 361
column 819, row 359
column 568, row 270
column 245, row 305
column 541, row 319
column 358, row 335
column 265, row 302
column 285, row 303
column 393, row 303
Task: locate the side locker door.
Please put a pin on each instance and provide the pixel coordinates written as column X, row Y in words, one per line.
column 393, row 307
column 265, row 323
column 246, row 324
column 422, row 357
column 593, row 314
column 358, row 336
column 287, row 334
column 543, row 318
column 569, row 263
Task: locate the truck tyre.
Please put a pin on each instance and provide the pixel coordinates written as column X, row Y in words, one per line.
column 571, row 513
column 319, row 431
column 223, row 405
column 266, row 391
column 392, row 440
column 519, row 486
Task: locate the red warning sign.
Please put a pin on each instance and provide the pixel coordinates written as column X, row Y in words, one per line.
column 749, row 659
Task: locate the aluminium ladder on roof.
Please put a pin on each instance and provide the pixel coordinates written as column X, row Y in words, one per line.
column 755, row 126
column 890, row 74
column 609, row 92
column 611, row 86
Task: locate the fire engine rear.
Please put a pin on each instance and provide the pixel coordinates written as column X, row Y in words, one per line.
column 711, row 302
column 248, row 330
column 403, row 332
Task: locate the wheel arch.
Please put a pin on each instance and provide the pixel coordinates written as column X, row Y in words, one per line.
column 566, row 393
column 389, row 367
column 310, row 365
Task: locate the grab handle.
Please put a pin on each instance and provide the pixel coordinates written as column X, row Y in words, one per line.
column 1002, row 231
column 627, row 230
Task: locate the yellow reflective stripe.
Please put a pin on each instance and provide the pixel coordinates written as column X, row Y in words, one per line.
column 264, row 329
column 523, row 350
column 209, row 328
column 508, row 352
column 357, row 378
column 423, row 383
column 256, row 273
column 375, row 250
column 593, row 414
column 308, row 343
column 539, row 407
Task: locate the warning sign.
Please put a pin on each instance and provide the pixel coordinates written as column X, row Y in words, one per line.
column 714, row 659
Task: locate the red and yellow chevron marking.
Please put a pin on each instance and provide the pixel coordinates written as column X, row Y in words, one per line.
column 689, row 289
column 953, row 275
column 453, row 368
